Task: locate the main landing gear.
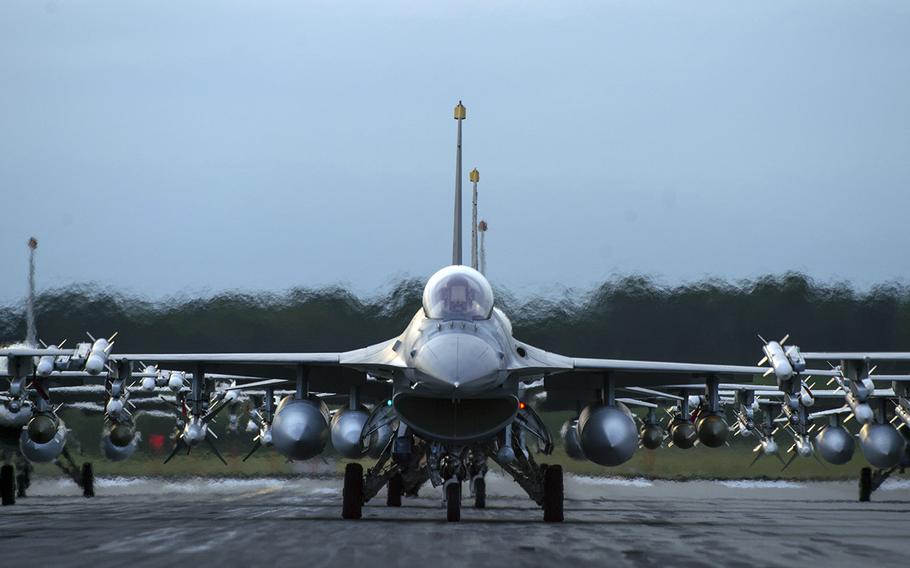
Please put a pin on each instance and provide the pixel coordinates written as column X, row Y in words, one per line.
column 404, row 470
column 8, row 485
column 13, row 482
column 83, row 476
column 352, row 495
column 870, row 480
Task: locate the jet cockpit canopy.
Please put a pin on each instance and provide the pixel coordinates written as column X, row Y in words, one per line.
column 458, row 292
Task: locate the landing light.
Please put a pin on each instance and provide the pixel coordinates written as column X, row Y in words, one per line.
column 388, row 402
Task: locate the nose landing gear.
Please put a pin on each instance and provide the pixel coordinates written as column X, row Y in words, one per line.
column 453, row 500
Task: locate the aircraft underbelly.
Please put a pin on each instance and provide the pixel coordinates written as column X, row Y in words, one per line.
column 455, row 420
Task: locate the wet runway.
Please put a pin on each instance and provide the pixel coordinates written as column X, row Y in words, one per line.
column 609, row 522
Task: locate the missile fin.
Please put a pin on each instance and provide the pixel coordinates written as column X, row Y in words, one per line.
column 256, row 446
column 214, row 449
column 791, row 460
column 175, row 450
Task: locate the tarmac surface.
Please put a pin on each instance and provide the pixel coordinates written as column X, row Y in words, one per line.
column 609, row 522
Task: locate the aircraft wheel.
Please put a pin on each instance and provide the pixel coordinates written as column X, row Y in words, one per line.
column 865, row 484
column 395, row 489
column 8, row 485
column 88, row 480
column 22, row 483
column 553, row 495
column 352, row 495
column 453, row 502
column 480, row 493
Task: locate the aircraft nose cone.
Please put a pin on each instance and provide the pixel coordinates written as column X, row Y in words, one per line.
column 458, row 363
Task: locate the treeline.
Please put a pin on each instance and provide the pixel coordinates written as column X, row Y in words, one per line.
column 628, row 317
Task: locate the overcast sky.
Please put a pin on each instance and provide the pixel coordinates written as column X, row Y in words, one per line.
column 189, row 147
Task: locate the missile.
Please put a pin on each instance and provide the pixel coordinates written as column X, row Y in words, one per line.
column 194, row 432
column 46, row 364
column 861, row 410
column 97, row 357
column 803, row 446
column 806, row 398
column 115, row 409
column 176, row 380
column 776, row 358
column 903, row 414
column 149, row 381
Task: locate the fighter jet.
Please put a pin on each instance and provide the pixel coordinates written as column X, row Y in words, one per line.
column 877, row 410
column 443, row 397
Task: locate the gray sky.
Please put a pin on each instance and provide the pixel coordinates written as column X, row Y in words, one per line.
column 187, row 147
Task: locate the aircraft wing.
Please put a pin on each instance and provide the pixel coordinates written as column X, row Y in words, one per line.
column 327, row 371
column 568, row 380
column 33, row 352
column 632, row 366
column 856, row 356
column 532, row 361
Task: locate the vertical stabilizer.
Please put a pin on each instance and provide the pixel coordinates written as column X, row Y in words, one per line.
column 474, row 176
column 31, row 334
column 460, row 114
column 482, row 228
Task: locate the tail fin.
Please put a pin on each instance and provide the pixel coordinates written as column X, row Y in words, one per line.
column 31, row 334
column 460, row 115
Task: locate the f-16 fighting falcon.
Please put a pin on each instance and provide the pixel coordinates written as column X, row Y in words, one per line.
column 451, row 393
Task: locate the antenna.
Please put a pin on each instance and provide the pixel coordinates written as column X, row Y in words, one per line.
column 460, row 114
column 31, row 334
column 482, row 227
column 474, row 176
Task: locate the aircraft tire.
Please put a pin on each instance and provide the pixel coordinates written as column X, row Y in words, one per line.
column 553, row 494
column 865, row 484
column 8, row 485
column 22, row 483
column 453, row 502
column 480, row 493
column 395, row 489
column 88, row 480
column 352, row 495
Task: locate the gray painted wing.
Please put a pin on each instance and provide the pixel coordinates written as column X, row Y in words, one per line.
column 569, row 381
column 539, row 361
column 381, row 355
column 856, row 356
column 327, row 371
column 33, row 352
column 665, row 367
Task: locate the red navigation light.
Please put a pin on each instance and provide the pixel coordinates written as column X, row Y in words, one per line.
column 156, row 442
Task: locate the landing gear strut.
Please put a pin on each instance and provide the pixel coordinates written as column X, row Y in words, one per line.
column 870, row 480
column 395, row 489
column 84, row 476
column 480, row 493
column 23, row 478
column 543, row 483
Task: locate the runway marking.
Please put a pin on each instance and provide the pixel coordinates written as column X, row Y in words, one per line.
column 620, row 481
column 761, row 484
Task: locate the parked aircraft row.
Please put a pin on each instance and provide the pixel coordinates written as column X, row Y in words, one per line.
column 456, row 390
